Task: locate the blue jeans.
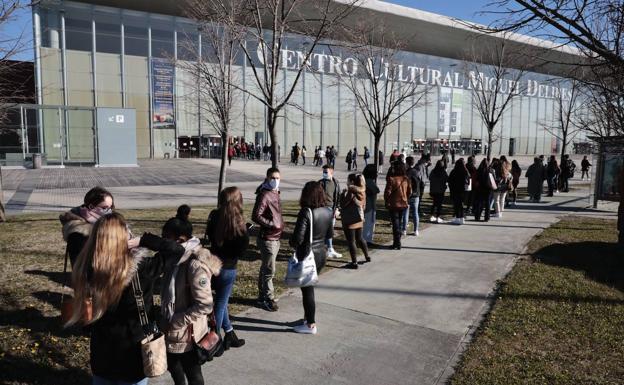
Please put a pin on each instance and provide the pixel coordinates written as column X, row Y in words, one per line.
column 330, row 241
column 404, row 219
column 223, row 284
column 413, row 210
column 102, row 381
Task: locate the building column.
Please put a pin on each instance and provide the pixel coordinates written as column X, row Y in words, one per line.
column 39, row 89
column 149, row 91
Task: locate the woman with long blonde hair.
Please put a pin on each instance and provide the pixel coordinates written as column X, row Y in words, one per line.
column 102, row 291
column 229, row 241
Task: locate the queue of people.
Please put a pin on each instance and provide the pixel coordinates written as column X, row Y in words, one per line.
column 114, row 273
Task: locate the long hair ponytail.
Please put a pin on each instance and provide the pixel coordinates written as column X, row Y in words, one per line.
column 102, row 268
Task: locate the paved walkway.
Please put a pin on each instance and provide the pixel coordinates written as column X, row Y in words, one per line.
column 402, row 319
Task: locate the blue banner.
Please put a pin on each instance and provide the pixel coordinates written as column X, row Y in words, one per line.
column 162, row 93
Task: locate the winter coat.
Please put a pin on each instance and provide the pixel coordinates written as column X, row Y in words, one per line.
column 414, row 175
column 397, row 192
column 457, row 181
column 536, row 174
column 76, row 231
column 352, row 204
column 437, row 181
column 267, row 212
column 322, row 219
column 515, row 177
column 371, row 195
column 115, row 351
column 585, row 165
column 332, row 192
column 193, row 299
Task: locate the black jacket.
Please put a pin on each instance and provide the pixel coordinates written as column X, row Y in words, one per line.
column 116, row 337
column 300, row 238
column 418, row 185
column 457, row 181
column 230, row 250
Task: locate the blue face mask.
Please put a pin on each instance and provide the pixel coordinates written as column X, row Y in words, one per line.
column 325, row 176
column 274, row 184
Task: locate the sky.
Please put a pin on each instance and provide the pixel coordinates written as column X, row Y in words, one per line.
column 21, row 25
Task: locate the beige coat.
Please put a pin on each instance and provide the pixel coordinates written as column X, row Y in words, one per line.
column 193, row 300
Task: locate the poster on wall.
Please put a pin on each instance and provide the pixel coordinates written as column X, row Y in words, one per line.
column 450, row 111
column 162, row 93
column 612, row 170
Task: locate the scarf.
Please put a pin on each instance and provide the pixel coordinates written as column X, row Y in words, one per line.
column 168, row 295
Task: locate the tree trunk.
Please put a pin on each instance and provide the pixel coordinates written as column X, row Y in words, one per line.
column 376, row 151
column 224, row 157
column 273, row 136
column 564, row 144
column 2, row 214
column 489, row 150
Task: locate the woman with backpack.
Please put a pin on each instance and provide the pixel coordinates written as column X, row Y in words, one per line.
column 352, row 201
column 186, row 301
column 396, row 196
column 458, row 181
column 104, row 296
column 314, row 222
column 229, row 240
column 437, row 186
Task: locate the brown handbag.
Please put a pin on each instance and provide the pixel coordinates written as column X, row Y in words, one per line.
column 210, row 345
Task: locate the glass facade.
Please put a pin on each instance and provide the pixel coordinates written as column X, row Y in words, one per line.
column 107, row 55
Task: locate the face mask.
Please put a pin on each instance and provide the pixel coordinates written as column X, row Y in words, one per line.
column 102, row 211
column 325, row 176
column 274, row 183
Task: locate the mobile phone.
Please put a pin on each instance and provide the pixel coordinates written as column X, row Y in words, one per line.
column 249, row 225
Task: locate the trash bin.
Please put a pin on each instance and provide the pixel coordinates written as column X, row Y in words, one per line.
column 36, row 158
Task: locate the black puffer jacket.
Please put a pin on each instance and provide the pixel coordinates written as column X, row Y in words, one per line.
column 116, row 337
column 322, row 226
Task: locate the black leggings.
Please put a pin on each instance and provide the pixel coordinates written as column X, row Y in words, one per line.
column 436, row 207
column 458, row 204
column 184, row 365
column 309, row 306
column 355, row 236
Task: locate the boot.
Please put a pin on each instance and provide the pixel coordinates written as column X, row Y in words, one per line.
column 231, row 340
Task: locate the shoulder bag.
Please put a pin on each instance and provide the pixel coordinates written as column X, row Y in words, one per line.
column 302, row 273
column 153, row 348
column 210, row 345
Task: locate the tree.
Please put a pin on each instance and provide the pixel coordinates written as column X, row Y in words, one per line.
column 567, row 111
column 214, row 72
column 383, row 89
column 269, row 26
column 495, row 85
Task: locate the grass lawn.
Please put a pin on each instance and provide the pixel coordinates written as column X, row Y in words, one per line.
column 33, row 346
column 559, row 314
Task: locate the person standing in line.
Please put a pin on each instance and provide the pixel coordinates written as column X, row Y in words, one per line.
column 370, row 210
column 352, row 201
column 437, row 186
column 567, row 172
column 453, row 155
column 423, row 169
column 354, row 156
column 472, row 172
column 332, row 200
column 229, row 240
column 536, row 173
column 303, row 154
column 457, row 181
column 77, row 222
column 319, row 229
column 186, row 297
column 585, row 165
column 103, row 271
column 445, row 159
column 483, row 191
column 516, row 172
column 552, row 174
column 396, row 197
column 267, row 213
column 366, row 156
column 415, row 178
column 349, row 160
column 502, row 177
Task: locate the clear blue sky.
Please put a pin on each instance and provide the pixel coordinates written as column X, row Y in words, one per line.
column 463, row 9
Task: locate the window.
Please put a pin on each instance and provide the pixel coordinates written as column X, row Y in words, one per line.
column 78, row 33
column 107, row 34
column 162, row 39
column 135, row 35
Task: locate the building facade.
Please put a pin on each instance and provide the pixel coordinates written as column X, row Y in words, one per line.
column 89, row 55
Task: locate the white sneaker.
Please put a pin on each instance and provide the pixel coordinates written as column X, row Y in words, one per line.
column 404, row 232
column 462, row 221
column 333, row 254
column 305, row 329
column 433, row 219
column 440, row 220
column 414, row 233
